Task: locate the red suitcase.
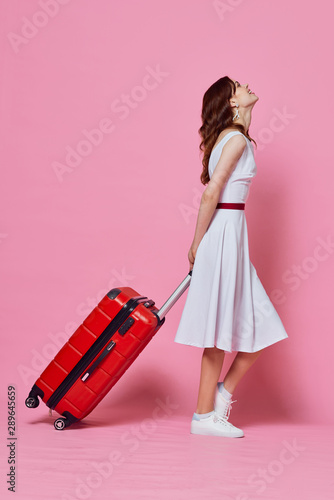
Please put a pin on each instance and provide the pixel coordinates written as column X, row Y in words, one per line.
column 99, row 352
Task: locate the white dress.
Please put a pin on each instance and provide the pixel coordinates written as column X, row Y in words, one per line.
column 226, row 304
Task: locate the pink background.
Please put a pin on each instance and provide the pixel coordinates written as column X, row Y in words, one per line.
column 124, row 213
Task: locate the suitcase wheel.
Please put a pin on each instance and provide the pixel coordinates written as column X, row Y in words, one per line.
column 61, row 423
column 32, row 402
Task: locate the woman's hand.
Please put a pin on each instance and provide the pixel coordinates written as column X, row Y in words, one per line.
column 191, row 256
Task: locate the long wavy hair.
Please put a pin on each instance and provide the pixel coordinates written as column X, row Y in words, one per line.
column 217, row 115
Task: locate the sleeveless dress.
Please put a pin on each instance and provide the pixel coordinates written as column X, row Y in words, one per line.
column 226, row 304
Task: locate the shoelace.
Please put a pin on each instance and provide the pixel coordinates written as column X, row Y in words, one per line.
column 227, row 410
column 221, row 420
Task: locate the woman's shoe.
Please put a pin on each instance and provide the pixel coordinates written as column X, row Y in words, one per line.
column 223, row 406
column 214, row 425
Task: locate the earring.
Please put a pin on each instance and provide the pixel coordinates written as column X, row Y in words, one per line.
column 236, row 116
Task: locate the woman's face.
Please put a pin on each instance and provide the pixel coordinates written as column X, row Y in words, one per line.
column 243, row 95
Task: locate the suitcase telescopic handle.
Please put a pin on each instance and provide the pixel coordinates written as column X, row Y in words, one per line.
column 175, row 296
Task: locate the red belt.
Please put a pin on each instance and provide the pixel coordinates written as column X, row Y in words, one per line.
column 236, row 206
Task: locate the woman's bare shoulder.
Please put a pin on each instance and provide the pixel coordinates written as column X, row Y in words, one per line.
column 227, row 131
column 223, row 133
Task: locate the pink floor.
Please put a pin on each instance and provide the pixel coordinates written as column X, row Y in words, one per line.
column 118, row 452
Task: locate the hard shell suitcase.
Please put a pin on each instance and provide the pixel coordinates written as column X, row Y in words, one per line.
column 99, row 352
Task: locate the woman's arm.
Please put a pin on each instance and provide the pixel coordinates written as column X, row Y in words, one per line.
column 228, row 160
column 205, row 213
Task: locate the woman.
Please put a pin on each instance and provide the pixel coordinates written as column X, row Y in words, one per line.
column 227, row 308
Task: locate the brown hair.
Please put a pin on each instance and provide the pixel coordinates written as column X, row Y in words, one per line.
column 216, row 115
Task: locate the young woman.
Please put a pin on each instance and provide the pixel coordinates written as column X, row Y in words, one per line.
column 227, row 308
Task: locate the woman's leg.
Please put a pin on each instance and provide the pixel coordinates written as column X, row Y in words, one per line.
column 241, row 364
column 212, row 362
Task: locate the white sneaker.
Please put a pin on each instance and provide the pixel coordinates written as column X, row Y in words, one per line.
column 214, row 425
column 222, row 406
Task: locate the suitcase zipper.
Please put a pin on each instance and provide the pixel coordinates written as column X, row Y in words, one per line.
column 88, row 357
column 96, row 363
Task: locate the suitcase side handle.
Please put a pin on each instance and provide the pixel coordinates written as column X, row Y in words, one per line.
column 175, row 296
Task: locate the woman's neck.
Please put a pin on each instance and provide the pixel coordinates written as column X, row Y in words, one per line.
column 245, row 119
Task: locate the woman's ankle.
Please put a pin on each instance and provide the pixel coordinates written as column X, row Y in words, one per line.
column 199, row 411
